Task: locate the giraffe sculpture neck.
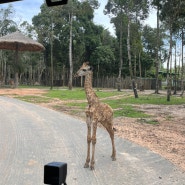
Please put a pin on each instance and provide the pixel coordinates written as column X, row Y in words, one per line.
column 90, row 94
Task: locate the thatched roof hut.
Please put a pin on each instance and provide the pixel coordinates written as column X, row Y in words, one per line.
column 17, row 41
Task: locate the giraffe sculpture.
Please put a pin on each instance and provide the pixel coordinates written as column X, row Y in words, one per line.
column 96, row 112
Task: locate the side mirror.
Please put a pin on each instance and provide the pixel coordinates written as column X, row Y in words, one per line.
column 56, row 2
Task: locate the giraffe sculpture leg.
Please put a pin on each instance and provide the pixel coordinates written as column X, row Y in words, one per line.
column 90, row 138
column 111, row 133
column 93, row 144
column 88, row 121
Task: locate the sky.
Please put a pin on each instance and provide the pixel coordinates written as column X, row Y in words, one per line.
column 104, row 20
column 26, row 9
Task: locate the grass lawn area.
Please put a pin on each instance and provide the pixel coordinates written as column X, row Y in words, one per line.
column 121, row 102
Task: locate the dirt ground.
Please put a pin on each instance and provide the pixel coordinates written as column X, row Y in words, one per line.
column 167, row 137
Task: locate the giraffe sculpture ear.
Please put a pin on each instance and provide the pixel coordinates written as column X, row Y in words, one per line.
column 91, row 68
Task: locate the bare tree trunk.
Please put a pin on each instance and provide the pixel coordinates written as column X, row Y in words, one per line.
column 128, row 48
column 8, row 73
column 182, row 67
column 140, row 64
column 168, row 63
column 4, row 71
column 81, row 81
column 157, row 56
column 135, row 61
column 141, row 87
column 175, row 86
column 134, row 86
column 120, row 57
column 51, row 40
column 1, row 68
column 33, row 74
column 170, row 74
column 40, row 72
column 30, row 75
column 16, row 68
column 70, row 53
column 63, row 75
column 20, row 78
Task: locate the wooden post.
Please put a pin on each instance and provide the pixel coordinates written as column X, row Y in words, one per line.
column 16, row 67
column 134, row 88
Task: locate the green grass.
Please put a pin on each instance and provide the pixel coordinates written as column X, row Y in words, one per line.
column 158, row 100
column 149, row 99
column 77, row 94
column 126, row 110
column 119, row 109
column 129, row 111
column 122, row 106
column 66, row 94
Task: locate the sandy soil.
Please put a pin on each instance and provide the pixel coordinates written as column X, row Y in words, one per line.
column 166, row 138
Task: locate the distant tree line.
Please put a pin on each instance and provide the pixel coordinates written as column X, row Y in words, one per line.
column 71, row 37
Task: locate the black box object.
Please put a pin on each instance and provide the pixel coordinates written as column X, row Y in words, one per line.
column 55, row 173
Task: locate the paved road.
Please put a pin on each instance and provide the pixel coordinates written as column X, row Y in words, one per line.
column 32, row 136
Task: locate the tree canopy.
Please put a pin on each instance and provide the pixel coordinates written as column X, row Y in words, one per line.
column 71, row 37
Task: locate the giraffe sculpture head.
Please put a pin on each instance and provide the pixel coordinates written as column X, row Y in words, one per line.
column 84, row 70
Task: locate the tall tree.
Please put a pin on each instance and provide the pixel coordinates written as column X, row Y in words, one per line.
column 75, row 36
column 74, row 10
column 132, row 10
column 157, row 4
column 103, row 57
column 71, row 9
column 180, row 25
column 7, row 26
column 169, row 15
column 44, row 25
